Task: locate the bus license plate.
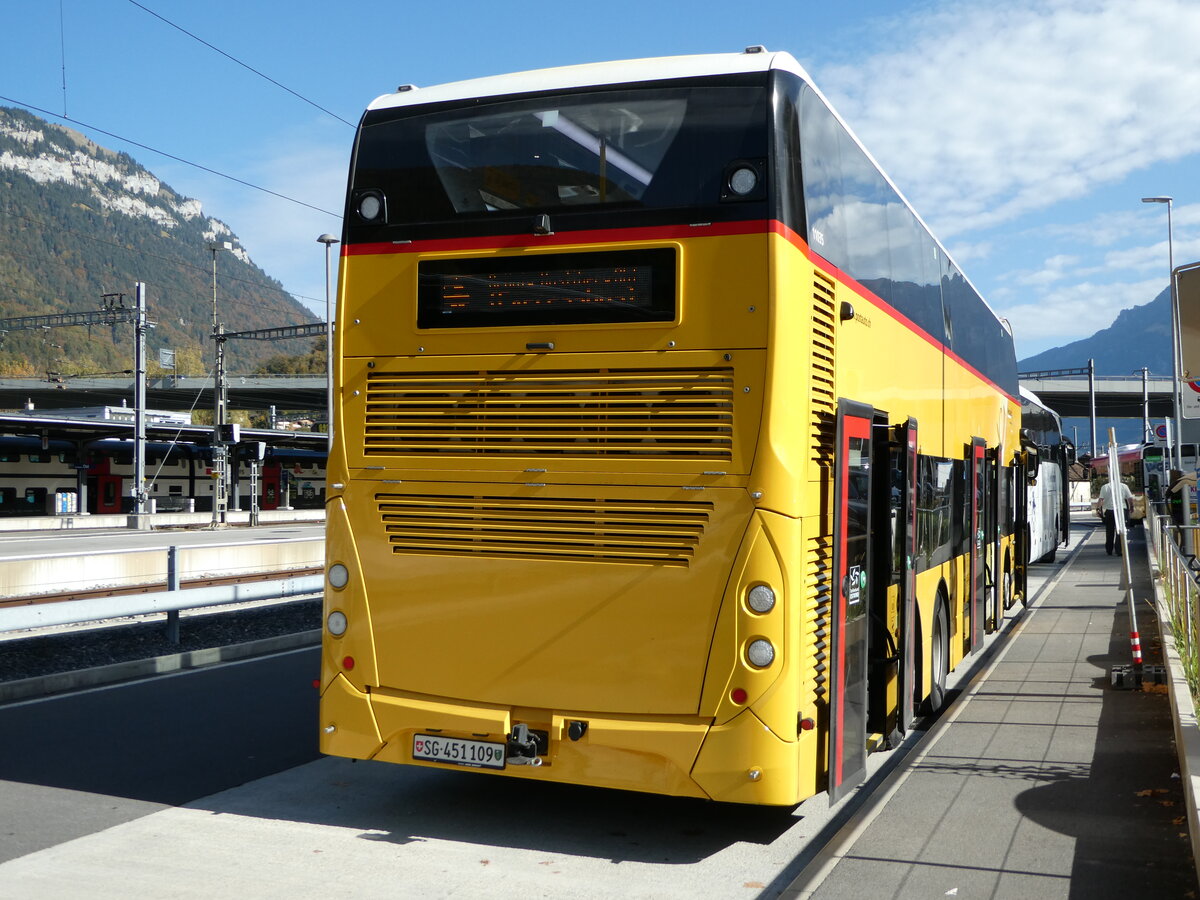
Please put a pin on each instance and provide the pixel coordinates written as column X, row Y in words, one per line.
column 458, row 752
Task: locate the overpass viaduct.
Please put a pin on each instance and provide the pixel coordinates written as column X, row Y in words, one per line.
column 301, row 392
column 1117, row 396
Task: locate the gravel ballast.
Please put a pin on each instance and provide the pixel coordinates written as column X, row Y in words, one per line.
column 65, row 650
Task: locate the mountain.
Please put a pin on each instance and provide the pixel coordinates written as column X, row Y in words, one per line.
column 78, row 221
column 1140, row 336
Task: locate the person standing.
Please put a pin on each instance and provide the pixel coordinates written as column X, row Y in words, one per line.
column 1114, row 496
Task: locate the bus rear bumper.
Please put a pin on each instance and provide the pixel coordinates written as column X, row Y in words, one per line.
column 641, row 753
column 741, row 761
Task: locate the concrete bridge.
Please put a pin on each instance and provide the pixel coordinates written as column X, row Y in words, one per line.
column 1117, row 396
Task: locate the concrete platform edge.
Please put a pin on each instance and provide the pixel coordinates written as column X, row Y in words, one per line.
column 98, row 676
column 1183, row 708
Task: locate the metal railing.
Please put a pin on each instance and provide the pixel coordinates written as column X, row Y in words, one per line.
column 18, row 618
column 1180, row 574
column 171, row 600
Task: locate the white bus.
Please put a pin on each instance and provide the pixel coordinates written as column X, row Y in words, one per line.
column 1048, row 508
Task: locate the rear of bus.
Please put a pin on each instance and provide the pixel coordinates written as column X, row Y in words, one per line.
column 549, row 553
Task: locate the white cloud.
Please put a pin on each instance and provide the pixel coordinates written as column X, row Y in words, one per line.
column 1056, row 268
column 995, row 110
column 1071, row 312
column 963, row 252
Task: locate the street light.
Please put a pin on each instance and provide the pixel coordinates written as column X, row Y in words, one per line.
column 328, row 240
column 1177, row 450
column 1146, row 436
column 1177, row 368
column 220, row 493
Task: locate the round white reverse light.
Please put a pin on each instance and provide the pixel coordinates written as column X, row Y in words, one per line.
column 760, row 653
column 336, row 623
column 743, row 181
column 761, row 599
column 339, row 576
column 370, row 206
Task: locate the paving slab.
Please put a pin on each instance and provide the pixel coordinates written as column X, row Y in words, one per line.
column 1043, row 780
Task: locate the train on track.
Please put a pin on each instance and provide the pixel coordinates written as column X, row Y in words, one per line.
column 47, row 477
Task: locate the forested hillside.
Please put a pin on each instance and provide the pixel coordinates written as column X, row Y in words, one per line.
column 78, row 221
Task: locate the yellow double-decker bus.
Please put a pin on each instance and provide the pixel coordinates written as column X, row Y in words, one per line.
column 672, row 452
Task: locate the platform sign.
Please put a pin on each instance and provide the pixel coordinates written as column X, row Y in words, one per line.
column 1189, row 394
column 1187, row 295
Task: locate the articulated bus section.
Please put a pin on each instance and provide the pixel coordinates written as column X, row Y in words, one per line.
column 639, row 548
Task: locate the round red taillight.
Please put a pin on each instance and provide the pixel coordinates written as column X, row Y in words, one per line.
column 738, row 696
column 348, row 663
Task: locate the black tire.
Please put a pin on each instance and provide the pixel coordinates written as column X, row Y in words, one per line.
column 939, row 661
column 1007, row 587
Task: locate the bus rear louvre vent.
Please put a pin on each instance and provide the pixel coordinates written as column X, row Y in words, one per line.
column 645, row 414
column 579, row 530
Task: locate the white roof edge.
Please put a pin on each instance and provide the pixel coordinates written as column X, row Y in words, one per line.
column 629, row 71
column 594, row 74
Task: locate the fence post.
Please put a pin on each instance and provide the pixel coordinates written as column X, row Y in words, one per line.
column 173, row 585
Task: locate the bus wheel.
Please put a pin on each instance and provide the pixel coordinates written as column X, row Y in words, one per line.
column 939, row 661
column 1049, row 557
column 1007, row 586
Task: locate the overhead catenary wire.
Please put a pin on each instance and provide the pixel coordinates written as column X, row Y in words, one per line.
column 180, row 159
column 62, row 49
column 244, row 65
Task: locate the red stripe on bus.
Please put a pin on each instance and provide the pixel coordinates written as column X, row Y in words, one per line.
column 665, row 233
column 533, row 242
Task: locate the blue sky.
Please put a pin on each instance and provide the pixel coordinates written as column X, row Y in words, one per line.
column 1025, row 133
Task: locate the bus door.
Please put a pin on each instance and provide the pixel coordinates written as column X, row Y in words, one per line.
column 907, row 538
column 993, row 615
column 848, row 616
column 1021, row 534
column 976, row 488
column 1065, row 457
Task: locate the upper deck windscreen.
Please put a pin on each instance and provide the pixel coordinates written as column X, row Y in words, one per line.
column 1043, row 424
column 612, row 152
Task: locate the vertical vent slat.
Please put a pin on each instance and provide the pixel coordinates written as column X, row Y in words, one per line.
column 823, row 424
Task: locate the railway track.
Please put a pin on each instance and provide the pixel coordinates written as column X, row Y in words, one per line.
column 155, row 587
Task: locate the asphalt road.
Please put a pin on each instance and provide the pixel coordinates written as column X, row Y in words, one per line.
column 77, row 763
column 262, row 815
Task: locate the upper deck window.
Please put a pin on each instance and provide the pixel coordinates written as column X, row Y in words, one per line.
column 547, row 156
column 612, row 151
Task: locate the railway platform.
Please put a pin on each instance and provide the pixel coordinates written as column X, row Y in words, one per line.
column 153, row 521
column 1043, row 779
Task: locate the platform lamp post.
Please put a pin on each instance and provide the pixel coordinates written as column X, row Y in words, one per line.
column 1177, row 368
column 1147, row 437
column 328, row 240
column 220, row 495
